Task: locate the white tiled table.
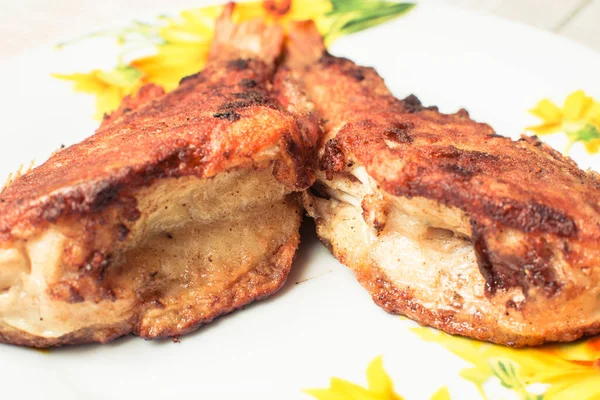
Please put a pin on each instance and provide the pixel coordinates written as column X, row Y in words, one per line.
column 30, row 23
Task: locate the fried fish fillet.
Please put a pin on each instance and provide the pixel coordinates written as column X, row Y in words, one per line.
column 442, row 219
column 180, row 208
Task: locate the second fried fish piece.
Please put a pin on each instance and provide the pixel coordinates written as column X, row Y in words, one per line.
column 442, row 219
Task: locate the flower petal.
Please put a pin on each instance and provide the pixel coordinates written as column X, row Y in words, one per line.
column 593, row 113
column 108, row 101
column 587, row 350
column 545, row 129
column 352, row 391
column 576, row 105
column 379, row 381
column 86, row 83
column 580, row 387
column 441, row 394
column 548, row 111
column 592, row 146
column 467, row 349
column 247, row 11
column 171, row 63
column 204, row 16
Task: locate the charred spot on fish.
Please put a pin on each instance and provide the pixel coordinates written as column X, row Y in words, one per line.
column 228, row 115
column 374, row 212
column 466, row 157
column 566, row 248
column 189, row 77
column 277, row 8
column 483, row 259
column 533, row 140
column 239, row 64
column 504, row 271
column 332, row 159
column 65, row 291
column 445, row 152
column 292, row 147
column 399, row 132
column 412, row 104
column 356, row 73
column 459, row 170
column 462, row 113
column 530, row 217
column 251, row 97
column 515, row 305
column 350, row 177
column 73, row 295
column 233, row 105
column 327, row 59
column 105, row 197
column 130, row 210
column 122, row 232
column 248, row 83
column 127, row 110
column 246, row 99
column 495, row 135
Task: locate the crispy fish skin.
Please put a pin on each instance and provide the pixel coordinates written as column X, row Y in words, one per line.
column 442, row 219
column 180, row 208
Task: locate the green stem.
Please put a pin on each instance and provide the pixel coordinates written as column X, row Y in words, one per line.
column 568, row 146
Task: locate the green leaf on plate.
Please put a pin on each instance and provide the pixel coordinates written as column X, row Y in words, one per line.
column 586, row 133
column 506, row 371
column 354, row 16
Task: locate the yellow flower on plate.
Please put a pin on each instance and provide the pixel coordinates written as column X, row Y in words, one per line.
column 109, row 86
column 182, row 43
column 441, row 394
column 187, row 38
column 569, row 371
column 579, row 119
column 380, row 386
column 184, row 50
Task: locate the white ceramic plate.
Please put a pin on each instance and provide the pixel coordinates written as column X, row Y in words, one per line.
column 322, row 323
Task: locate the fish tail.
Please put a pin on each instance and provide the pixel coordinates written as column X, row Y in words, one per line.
column 304, row 44
column 248, row 38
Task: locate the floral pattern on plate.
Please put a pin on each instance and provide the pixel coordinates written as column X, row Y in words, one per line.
column 578, row 118
column 181, row 43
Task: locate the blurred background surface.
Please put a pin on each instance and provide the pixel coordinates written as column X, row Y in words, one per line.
column 31, row 23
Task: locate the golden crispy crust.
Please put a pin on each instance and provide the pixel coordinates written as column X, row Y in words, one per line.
column 102, row 334
column 216, row 120
column 397, row 301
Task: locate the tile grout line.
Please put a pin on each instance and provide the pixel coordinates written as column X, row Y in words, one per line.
column 580, row 7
